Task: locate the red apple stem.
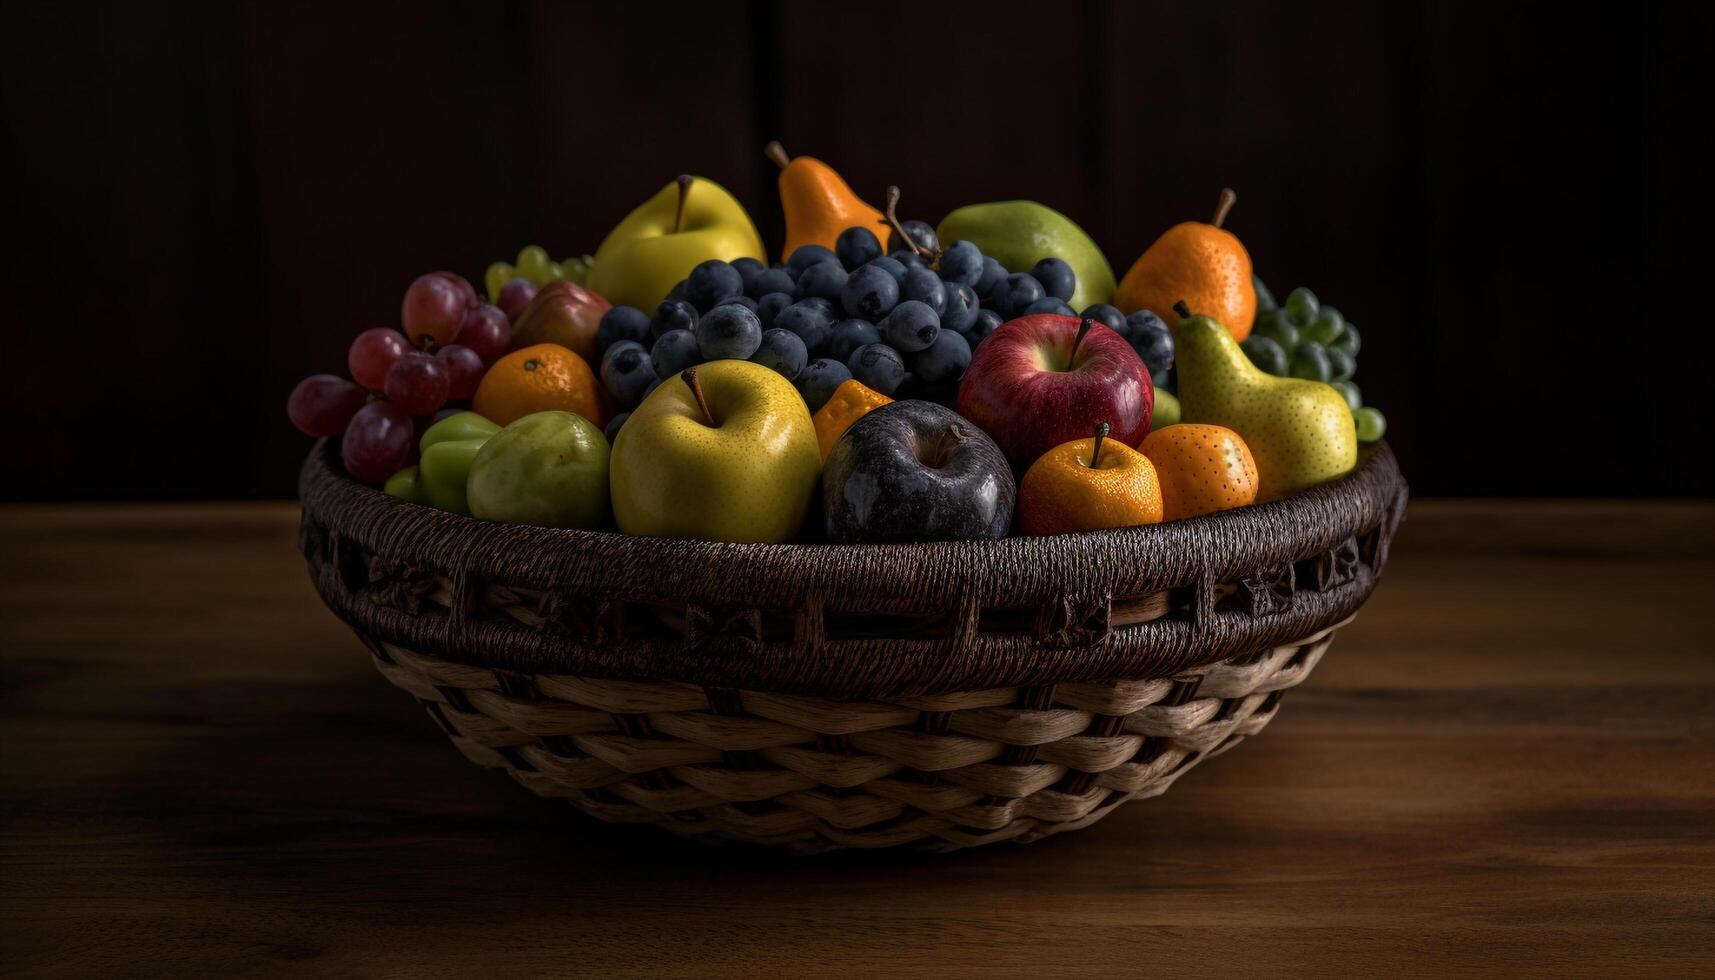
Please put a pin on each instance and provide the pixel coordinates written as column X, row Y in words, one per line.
column 684, row 182
column 934, row 258
column 1181, row 309
column 1229, row 197
column 1083, row 328
column 777, row 153
column 1102, row 430
column 690, row 378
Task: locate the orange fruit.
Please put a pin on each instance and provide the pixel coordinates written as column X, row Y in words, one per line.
column 1203, row 264
column 1062, row 492
column 1202, row 468
column 545, row 377
column 818, row 202
column 851, row 401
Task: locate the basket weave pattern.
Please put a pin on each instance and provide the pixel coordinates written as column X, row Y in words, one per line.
column 814, row 696
column 940, row 772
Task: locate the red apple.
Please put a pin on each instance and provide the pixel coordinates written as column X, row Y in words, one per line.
column 1036, row 383
column 563, row 313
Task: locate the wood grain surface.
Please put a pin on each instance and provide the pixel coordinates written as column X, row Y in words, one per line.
column 1505, row 766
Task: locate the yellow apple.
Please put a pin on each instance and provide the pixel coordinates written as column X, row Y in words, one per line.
column 692, row 220
column 738, row 463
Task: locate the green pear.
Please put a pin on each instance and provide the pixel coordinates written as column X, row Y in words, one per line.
column 691, row 220
column 1019, row 234
column 1300, row 432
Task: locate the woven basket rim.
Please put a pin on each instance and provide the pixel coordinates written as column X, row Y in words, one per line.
column 1078, row 577
column 1377, row 469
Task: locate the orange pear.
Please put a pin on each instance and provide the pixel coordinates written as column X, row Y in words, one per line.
column 1202, row 264
column 818, row 203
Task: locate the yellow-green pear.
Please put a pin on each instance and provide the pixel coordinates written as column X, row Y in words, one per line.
column 724, row 451
column 1300, row 432
column 691, row 220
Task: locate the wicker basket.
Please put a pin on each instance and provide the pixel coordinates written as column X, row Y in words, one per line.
column 815, row 696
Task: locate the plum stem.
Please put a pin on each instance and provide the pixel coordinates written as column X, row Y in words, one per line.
column 777, row 153
column 910, row 243
column 691, row 381
column 684, row 182
column 1083, row 328
column 1229, row 197
column 1181, row 309
column 1102, row 430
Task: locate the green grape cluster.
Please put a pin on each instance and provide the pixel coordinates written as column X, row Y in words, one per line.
column 1305, row 338
column 535, row 265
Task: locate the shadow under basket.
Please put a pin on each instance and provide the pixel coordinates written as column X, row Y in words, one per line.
column 813, row 696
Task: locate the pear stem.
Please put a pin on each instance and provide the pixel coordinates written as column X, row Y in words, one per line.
column 1083, row 328
column 1102, row 430
column 1181, row 309
column 777, row 153
column 1228, row 198
column 690, row 378
column 684, row 182
column 893, row 219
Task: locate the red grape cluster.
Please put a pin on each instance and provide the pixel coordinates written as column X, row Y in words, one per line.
column 447, row 339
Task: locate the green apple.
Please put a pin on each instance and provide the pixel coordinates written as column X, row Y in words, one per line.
column 726, row 454
column 447, row 450
column 548, row 469
column 1019, row 234
column 406, row 485
column 692, row 220
column 457, row 428
column 444, row 469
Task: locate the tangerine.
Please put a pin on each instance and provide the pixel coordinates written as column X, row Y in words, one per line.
column 1062, row 491
column 540, row 378
column 1202, row 468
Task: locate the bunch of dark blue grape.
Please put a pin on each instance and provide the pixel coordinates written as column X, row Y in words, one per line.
column 823, row 316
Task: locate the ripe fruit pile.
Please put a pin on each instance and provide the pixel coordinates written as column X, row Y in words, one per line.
column 925, row 392
column 902, row 322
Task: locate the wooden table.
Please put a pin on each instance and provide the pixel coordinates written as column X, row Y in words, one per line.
column 1507, row 765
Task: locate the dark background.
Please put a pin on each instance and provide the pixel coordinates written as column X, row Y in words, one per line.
column 206, row 201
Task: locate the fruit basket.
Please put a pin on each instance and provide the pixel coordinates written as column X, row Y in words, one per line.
column 938, row 695
column 888, row 543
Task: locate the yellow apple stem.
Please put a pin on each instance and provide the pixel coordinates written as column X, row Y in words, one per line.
column 684, row 182
column 774, row 151
column 1083, row 328
column 1102, row 430
column 934, row 258
column 690, row 378
column 1228, row 198
column 1181, row 309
